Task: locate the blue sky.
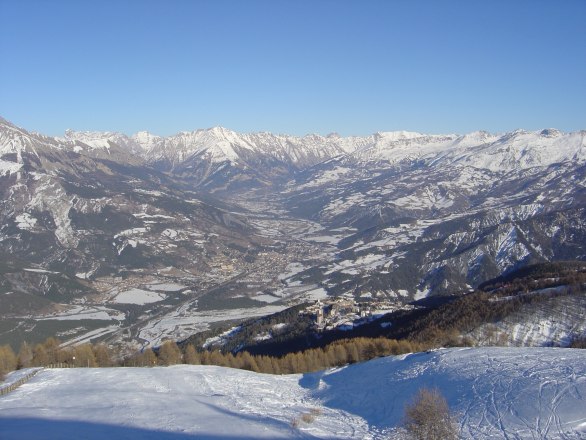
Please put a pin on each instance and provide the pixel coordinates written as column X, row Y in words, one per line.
column 297, row 67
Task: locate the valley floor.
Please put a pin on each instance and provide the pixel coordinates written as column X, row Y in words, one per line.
column 513, row 393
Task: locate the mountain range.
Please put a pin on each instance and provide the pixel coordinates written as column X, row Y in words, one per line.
column 141, row 237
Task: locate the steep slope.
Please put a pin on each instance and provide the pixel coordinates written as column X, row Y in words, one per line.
column 459, row 208
column 537, row 306
column 77, row 202
column 87, row 232
column 248, row 220
column 216, row 156
column 438, row 214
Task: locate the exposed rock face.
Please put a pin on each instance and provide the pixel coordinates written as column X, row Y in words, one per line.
column 397, row 215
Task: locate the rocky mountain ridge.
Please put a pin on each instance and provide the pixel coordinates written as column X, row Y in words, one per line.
column 260, row 221
column 517, row 149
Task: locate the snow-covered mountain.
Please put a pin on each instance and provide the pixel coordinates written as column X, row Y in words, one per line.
column 522, row 393
column 73, row 212
column 437, row 213
column 221, row 158
column 481, row 150
column 263, row 220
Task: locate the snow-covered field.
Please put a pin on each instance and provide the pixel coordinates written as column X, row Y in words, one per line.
column 138, row 296
column 183, row 322
column 77, row 312
column 513, row 393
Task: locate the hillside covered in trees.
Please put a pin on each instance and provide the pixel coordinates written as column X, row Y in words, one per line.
column 470, row 318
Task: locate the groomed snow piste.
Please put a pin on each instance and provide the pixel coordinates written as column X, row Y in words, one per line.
column 534, row 393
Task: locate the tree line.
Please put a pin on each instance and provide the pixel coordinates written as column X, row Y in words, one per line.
column 336, row 354
column 50, row 353
column 443, row 326
column 427, row 416
column 446, row 325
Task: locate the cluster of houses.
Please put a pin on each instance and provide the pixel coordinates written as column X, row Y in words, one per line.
column 265, row 266
column 345, row 313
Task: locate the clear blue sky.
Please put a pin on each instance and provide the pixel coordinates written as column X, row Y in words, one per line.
column 354, row 67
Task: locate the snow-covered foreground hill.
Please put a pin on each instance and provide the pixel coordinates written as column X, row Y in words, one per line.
column 496, row 392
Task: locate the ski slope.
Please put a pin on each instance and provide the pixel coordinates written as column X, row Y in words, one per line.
column 513, row 393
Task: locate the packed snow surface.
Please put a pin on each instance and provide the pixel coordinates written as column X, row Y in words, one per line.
column 514, row 393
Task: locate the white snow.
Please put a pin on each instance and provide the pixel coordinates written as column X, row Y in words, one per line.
column 329, row 239
column 15, row 376
column 363, row 263
column 25, row 221
column 170, row 233
column 138, row 296
column 291, row 270
column 166, row 287
column 74, row 313
column 84, row 275
column 520, row 393
column 480, row 150
column 144, row 215
column 263, row 297
column 131, row 232
column 49, row 195
column 89, row 336
column 315, row 294
column 557, row 322
column 222, row 338
column 182, row 322
column 148, row 192
column 7, row 167
column 263, row 337
column 420, row 294
column 31, row 269
column 326, row 177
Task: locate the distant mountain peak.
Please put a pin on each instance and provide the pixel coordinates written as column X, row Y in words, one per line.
column 145, row 137
column 398, row 135
column 551, row 133
column 218, row 144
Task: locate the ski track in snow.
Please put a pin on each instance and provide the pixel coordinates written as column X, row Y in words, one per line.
column 510, row 393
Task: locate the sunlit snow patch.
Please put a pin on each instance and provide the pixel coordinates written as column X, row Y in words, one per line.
column 74, row 313
column 139, row 296
column 7, row 167
column 25, row 221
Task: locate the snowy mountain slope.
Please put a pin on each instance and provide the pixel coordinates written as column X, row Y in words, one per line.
column 83, row 227
column 218, row 145
column 201, row 154
column 481, row 150
column 395, row 215
column 17, row 141
column 221, row 144
column 494, row 392
column 556, row 322
column 538, row 306
column 106, row 141
column 62, row 192
column 449, row 214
